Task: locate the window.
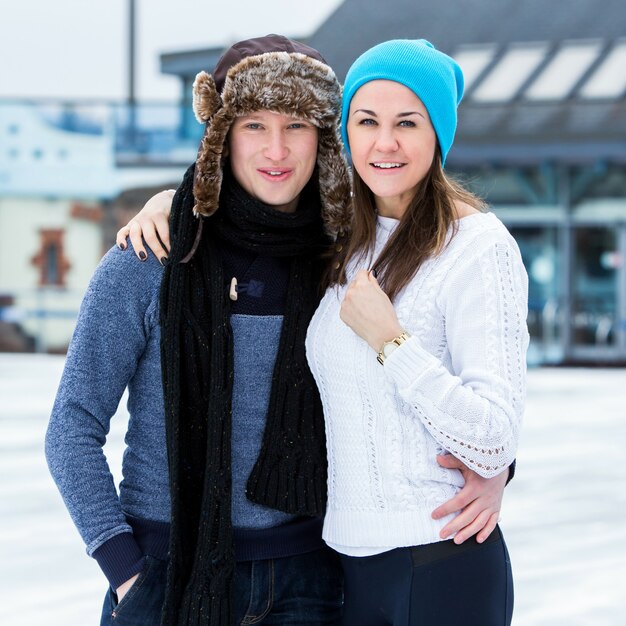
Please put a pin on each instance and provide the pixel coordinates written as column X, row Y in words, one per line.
column 564, row 70
column 50, row 259
column 510, row 73
column 473, row 61
column 609, row 80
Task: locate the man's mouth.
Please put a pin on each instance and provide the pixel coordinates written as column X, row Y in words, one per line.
column 275, row 173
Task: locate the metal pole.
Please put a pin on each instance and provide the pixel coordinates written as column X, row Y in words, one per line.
column 621, row 290
column 566, row 235
column 132, row 101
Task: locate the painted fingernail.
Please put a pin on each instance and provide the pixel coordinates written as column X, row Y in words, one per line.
column 143, row 256
column 163, row 260
column 121, row 246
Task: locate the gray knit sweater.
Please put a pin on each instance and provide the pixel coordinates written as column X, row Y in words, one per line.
column 116, row 345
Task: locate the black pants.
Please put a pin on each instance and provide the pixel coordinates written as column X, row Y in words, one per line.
column 439, row 584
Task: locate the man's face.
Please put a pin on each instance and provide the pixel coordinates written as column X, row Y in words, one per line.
column 272, row 157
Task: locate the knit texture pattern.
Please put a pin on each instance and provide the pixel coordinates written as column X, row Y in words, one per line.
column 457, row 386
column 115, row 345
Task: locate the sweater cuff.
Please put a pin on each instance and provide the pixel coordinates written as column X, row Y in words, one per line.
column 120, row 558
column 408, row 362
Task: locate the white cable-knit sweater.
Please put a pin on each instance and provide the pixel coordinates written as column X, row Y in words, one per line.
column 457, row 385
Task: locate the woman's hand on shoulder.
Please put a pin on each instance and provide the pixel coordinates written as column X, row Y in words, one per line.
column 367, row 310
column 150, row 225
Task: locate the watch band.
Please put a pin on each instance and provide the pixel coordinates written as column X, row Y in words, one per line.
column 393, row 344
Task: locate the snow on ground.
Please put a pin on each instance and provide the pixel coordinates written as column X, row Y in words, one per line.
column 563, row 515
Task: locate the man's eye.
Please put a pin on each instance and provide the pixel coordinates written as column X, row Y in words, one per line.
column 253, row 126
column 297, row 125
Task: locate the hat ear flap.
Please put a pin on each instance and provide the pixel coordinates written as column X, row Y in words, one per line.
column 209, row 167
column 206, row 100
column 334, row 182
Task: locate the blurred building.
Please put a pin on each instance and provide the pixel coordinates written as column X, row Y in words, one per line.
column 65, row 174
column 542, row 135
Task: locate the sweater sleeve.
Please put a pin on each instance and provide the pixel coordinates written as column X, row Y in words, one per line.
column 474, row 407
column 114, row 323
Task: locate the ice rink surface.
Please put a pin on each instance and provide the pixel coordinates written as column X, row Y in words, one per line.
column 564, row 515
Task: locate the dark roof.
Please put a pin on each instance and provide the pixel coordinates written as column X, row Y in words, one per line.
column 357, row 25
column 523, row 133
column 188, row 63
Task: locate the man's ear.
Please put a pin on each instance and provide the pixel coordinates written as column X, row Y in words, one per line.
column 206, row 100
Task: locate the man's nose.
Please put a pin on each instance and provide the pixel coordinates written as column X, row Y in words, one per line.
column 276, row 148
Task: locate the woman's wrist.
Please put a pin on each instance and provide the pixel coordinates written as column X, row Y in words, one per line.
column 386, row 335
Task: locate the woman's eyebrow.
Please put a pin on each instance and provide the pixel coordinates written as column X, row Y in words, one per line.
column 410, row 113
column 405, row 114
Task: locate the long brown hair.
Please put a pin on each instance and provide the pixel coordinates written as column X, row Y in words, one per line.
column 422, row 232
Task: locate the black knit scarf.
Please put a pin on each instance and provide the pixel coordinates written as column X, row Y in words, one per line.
column 197, row 362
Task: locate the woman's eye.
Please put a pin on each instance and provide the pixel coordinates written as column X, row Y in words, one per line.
column 367, row 121
column 407, row 124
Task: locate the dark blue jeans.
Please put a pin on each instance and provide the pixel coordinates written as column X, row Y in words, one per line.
column 302, row 590
column 141, row 606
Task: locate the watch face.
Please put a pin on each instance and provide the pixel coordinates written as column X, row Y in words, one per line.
column 389, row 348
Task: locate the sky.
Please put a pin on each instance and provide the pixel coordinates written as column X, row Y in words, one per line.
column 77, row 49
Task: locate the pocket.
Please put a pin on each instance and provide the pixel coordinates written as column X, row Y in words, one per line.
column 136, row 588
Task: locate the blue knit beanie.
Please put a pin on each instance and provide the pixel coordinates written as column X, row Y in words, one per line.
column 434, row 77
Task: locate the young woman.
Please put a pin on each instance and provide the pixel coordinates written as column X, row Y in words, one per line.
column 418, row 350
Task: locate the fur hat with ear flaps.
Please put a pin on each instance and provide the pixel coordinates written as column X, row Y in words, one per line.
column 276, row 74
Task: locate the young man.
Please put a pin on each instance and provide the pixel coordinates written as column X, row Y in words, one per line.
column 238, row 416
column 242, row 419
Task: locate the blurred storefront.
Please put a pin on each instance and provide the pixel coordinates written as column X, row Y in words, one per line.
column 574, row 255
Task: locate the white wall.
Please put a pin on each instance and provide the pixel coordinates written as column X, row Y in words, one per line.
column 20, row 242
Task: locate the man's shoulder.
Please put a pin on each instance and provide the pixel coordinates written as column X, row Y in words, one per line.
column 122, row 267
column 122, row 282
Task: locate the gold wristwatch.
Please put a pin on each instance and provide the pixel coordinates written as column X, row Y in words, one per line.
column 390, row 346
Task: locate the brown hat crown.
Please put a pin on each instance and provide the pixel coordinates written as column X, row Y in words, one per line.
column 259, row 45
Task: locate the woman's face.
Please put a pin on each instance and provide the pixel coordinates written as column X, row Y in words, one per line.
column 392, row 142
